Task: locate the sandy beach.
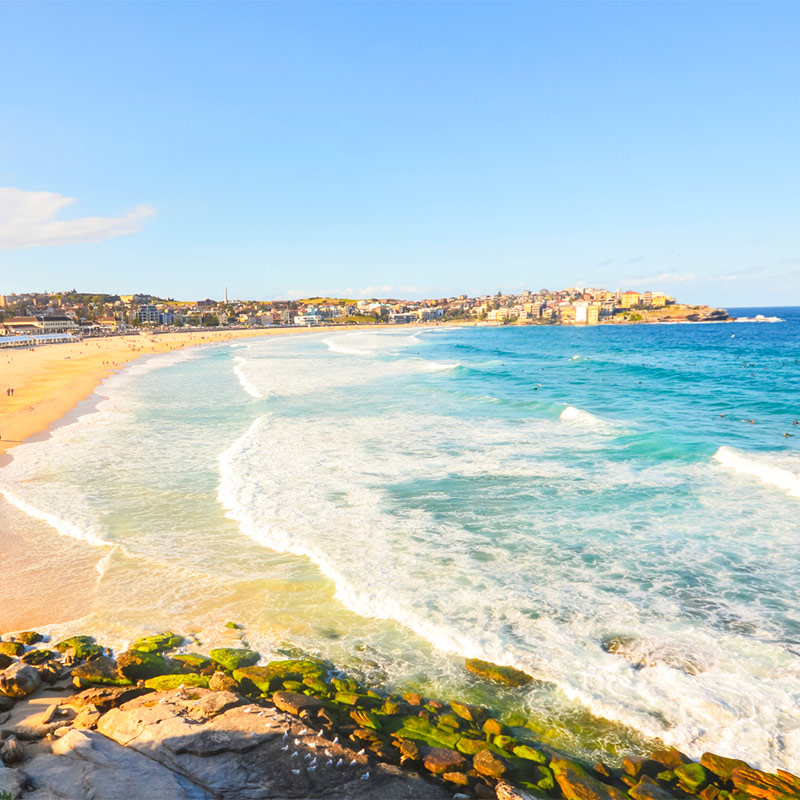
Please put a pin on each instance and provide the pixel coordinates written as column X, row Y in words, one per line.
column 49, row 381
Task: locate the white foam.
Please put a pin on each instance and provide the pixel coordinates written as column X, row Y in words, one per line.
column 764, row 468
column 63, row 526
column 242, row 378
column 578, row 415
column 436, row 366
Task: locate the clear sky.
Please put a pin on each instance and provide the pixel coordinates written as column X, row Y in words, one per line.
column 401, row 148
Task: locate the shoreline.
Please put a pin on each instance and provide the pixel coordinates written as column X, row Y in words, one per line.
column 46, row 389
column 223, row 723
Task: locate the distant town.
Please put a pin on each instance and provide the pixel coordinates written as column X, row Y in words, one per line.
column 80, row 314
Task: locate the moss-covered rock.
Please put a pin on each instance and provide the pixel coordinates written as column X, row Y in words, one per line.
column 467, row 712
column 233, row 626
column 233, row 658
column 37, row 656
column 102, row 671
column 493, row 727
column 158, row 643
column 470, row 746
column 13, row 649
column 691, row 777
column 273, row 676
column 577, row 784
column 29, row 637
column 366, row 719
column 494, row 672
column 166, row 683
column 316, row 685
column 192, row 662
column 72, row 642
column 720, row 766
column 530, row 753
column 138, row 665
column 86, row 651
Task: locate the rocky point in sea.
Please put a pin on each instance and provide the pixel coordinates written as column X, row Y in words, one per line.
column 195, row 726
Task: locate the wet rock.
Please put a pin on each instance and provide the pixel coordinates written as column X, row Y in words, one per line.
column 467, row 712
column 5, row 661
column 494, row 672
column 73, row 642
column 493, row 727
column 491, row 765
column 530, row 753
column 505, row 791
column 220, row 682
column 409, row 749
column 642, row 653
column 670, row 758
column 29, row 637
column 413, row 699
column 19, row 681
column 234, row 658
column 158, row 643
column 765, row 785
column 165, row 683
column 440, row 760
column 470, row 746
column 101, row 671
column 294, row 703
column 12, row 649
column 192, row 662
column 457, row 778
column 576, row 784
column 37, row 656
column 137, row 665
column 648, row 789
column 692, row 777
column 720, row 766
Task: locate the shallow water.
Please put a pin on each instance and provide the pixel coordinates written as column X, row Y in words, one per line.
column 397, row 501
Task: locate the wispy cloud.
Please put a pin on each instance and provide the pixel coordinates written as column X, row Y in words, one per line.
column 664, row 277
column 30, row 219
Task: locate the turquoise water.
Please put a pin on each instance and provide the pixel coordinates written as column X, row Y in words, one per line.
column 398, row 500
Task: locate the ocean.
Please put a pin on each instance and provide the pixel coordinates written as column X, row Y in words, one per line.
column 612, row 509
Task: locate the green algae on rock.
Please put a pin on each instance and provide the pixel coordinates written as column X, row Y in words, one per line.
column 138, row 665
column 74, row 641
column 29, row 637
column 102, row 670
column 165, row 683
column 233, row 658
column 158, row 643
column 13, row 649
column 494, row 672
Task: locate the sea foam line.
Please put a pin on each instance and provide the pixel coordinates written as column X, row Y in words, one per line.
column 780, row 477
column 242, row 378
column 63, row 526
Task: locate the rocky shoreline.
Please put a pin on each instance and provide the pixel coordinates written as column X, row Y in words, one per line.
column 77, row 722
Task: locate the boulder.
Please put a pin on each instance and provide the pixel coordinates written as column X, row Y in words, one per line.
column 72, row 642
column 165, row 683
column 233, row 658
column 490, row 765
column 192, row 662
column 530, row 753
column 5, row 661
column 721, row 766
column 19, row 680
column 440, row 760
column 467, row 712
column 648, row 789
column 37, row 656
column 577, row 784
column 294, row 703
column 765, row 785
column 220, row 682
column 158, row 643
column 102, row 670
column 29, row 637
column 494, row 672
column 692, row 777
column 137, row 665
column 505, row 791
column 11, row 752
column 13, row 649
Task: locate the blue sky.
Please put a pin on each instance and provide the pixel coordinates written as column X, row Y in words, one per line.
column 401, row 149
